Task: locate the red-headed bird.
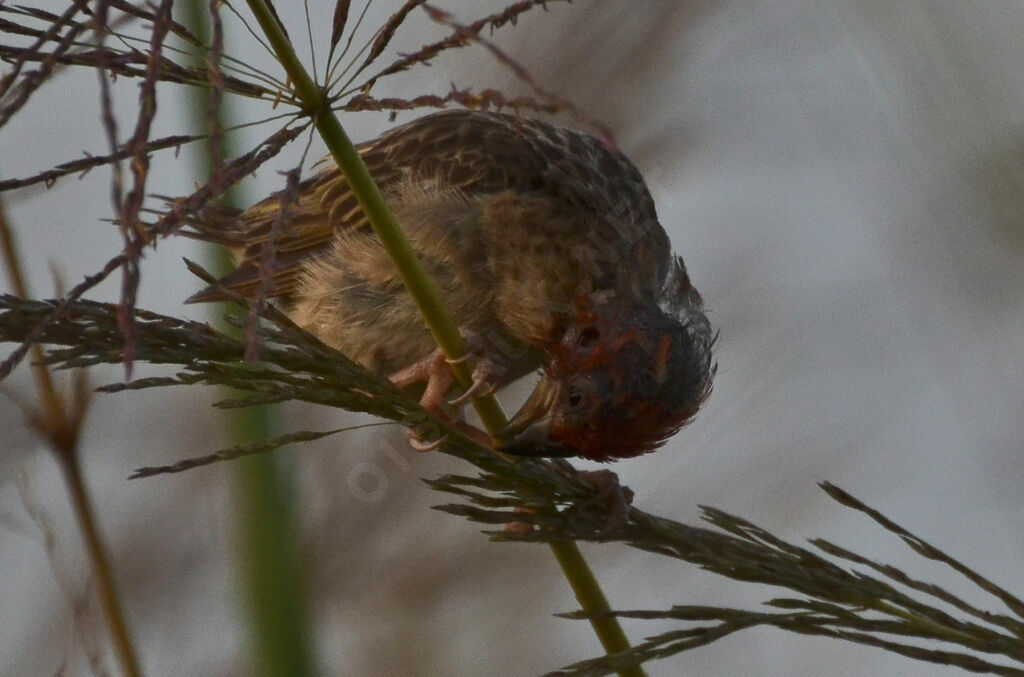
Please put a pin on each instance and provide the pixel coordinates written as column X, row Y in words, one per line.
column 546, row 246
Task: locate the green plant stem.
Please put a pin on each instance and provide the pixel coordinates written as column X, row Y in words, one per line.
column 590, row 596
column 424, row 293
column 61, row 428
column 270, row 564
column 268, row 554
column 440, row 322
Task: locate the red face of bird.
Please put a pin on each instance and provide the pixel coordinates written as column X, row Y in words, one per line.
column 620, row 382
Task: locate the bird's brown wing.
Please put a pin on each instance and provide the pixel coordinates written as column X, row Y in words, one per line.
column 324, row 203
column 477, row 153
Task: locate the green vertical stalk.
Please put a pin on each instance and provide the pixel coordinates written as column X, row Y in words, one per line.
column 270, row 565
column 442, row 325
column 271, row 574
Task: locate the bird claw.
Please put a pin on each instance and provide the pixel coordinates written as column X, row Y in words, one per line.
column 519, row 528
column 421, row 446
column 486, row 372
column 417, row 436
column 435, row 371
column 485, row 376
column 438, row 377
column 610, row 494
column 610, row 497
column 475, row 346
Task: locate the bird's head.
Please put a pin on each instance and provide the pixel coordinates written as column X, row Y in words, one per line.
column 622, row 380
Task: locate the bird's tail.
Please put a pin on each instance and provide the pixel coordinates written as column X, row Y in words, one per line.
column 216, row 223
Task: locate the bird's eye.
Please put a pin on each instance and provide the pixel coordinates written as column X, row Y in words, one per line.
column 587, row 337
column 574, row 397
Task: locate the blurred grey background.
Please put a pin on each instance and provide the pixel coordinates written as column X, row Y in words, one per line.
column 845, row 181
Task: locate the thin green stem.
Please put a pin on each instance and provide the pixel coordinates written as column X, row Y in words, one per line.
column 439, row 320
column 591, row 598
column 270, row 564
column 416, row 280
column 268, row 554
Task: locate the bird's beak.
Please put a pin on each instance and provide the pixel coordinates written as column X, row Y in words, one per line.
column 529, row 431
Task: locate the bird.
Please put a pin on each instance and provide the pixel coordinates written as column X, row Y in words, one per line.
column 546, row 246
